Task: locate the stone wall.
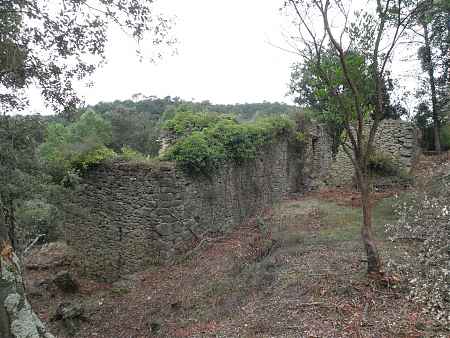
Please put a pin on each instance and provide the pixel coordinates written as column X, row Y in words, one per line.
column 126, row 217
column 396, row 138
column 318, row 157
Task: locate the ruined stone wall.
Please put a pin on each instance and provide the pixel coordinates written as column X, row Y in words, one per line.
column 318, row 157
column 126, row 217
column 396, row 138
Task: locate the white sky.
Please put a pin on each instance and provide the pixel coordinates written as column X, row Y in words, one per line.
column 224, row 56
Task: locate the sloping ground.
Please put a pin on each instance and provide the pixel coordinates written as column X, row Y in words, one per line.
column 297, row 272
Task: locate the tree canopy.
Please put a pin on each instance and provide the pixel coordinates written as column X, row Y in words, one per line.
column 348, row 61
column 432, row 32
column 50, row 44
column 77, row 145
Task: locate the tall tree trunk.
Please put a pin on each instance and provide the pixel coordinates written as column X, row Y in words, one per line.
column 17, row 318
column 374, row 265
column 432, row 81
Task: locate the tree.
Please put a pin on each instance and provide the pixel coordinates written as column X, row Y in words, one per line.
column 50, row 44
column 362, row 43
column 305, row 86
column 20, row 176
column 20, row 172
column 77, row 146
column 434, row 30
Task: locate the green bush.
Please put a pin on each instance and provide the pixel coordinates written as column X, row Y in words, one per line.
column 90, row 158
column 35, row 217
column 381, row 164
column 195, row 154
column 184, row 122
column 129, row 154
column 201, row 151
column 445, row 136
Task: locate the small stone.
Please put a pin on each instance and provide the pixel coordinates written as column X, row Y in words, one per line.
column 68, row 311
column 155, row 327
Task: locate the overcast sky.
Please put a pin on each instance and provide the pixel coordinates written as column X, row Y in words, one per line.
column 224, row 55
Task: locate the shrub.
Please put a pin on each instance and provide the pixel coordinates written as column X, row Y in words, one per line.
column 195, row 154
column 129, row 154
column 201, row 151
column 90, row 158
column 445, row 136
column 35, row 218
column 381, row 164
column 184, row 122
column 425, row 218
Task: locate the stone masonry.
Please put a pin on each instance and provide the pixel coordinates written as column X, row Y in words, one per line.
column 395, row 138
column 127, row 216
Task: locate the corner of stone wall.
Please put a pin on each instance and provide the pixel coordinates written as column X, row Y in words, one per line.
column 128, row 216
column 395, row 138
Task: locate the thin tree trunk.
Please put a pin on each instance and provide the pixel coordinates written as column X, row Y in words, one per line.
column 374, row 266
column 432, row 81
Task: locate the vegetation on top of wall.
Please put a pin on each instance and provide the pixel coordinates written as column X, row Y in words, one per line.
column 202, row 150
column 137, row 123
column 186, row 122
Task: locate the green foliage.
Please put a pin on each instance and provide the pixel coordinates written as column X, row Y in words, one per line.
column 36, row 217
column 381, row 164
column 195, row 155
column 92, row 127
column 445, row 136
column 300, row 136
column 212, row 141
column 432, row 93
column 53, row 46
column 77, row 146
column 137, row 124
column 186, row 122
column 27, row 196
column 85, row 160
column 129, row 154
column 325, row 90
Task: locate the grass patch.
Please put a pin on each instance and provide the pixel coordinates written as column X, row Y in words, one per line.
column 343, row 223
column 346, row 221
column 292, row 223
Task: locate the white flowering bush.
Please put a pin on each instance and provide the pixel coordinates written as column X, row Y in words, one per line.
column 424, row 219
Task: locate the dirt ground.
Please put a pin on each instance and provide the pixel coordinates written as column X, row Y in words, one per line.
column 298, row 271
